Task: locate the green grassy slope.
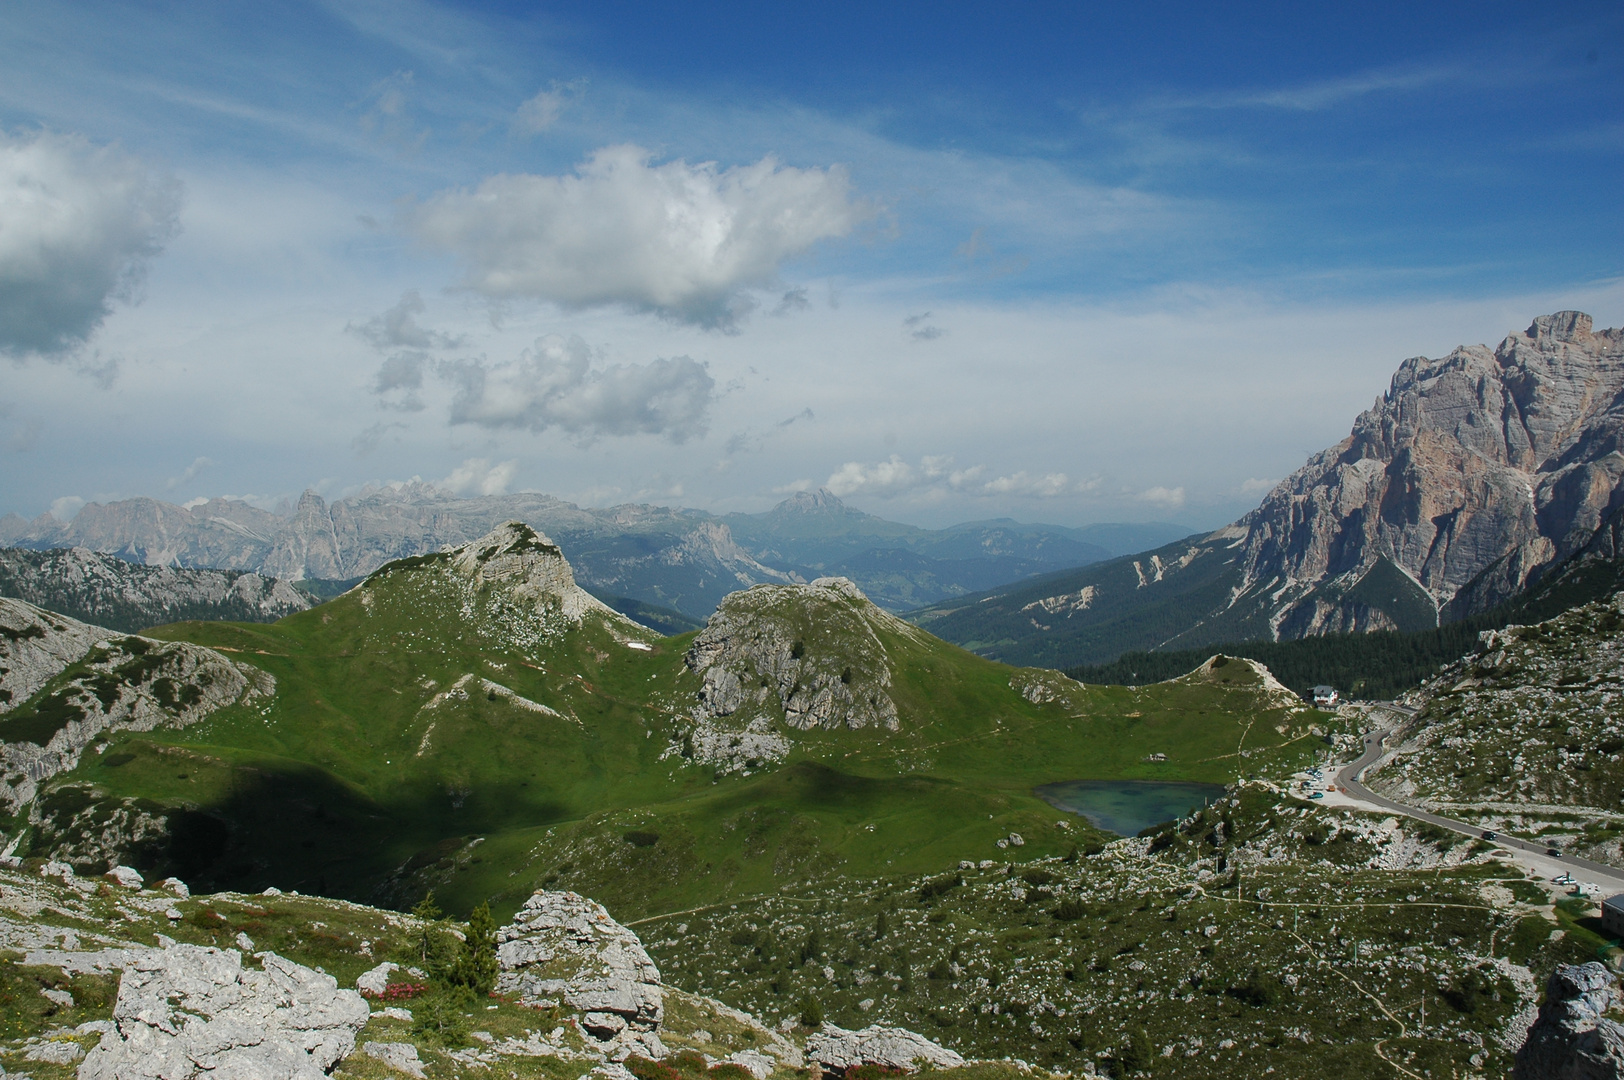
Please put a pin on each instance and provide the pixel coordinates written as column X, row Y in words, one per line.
column 422, row 735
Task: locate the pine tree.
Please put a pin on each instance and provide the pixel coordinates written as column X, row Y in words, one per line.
column 431, row 915
column 475, row 966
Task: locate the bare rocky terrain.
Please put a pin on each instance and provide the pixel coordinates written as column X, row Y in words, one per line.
column 97, row 588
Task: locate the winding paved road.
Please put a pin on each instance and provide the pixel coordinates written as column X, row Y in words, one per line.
column 1348, row 778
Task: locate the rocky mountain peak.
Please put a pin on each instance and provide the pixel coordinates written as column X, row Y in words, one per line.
column 1567, row 326
column 821, row 501
column 1468, row 477
column 517, row 562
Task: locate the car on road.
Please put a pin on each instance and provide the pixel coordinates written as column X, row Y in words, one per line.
column 1555, row 853
column 1488, row 834
column 1317, row 795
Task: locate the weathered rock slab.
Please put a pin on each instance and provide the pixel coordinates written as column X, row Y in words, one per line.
column 187, row 1011
column 837, row 1049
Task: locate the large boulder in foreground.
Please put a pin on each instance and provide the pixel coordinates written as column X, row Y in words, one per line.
column 186, row 1012
column 837, row 1049
column 563, row 948
column 1573, row 1039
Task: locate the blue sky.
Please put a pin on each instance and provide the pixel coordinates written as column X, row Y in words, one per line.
column 1057, row 262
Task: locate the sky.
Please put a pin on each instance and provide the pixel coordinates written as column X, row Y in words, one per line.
column 1060, row 262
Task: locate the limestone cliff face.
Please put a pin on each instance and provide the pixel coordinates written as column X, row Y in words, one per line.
column 1468, row 476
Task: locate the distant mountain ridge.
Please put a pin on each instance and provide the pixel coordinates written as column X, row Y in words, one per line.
column 107, row 591
column 686, row 560
column 1467, row 480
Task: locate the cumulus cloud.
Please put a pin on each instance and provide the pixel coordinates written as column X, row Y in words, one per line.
column 1164, row 497
column 555, row 385
column 936, row 473
column 397, row 328
column 477, row 476
column 191, row 473
column 891, row 477
column 684, row 241
column 78, row 225
column 64, row 508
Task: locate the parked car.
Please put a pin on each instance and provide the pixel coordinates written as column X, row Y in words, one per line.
column 1317, row 795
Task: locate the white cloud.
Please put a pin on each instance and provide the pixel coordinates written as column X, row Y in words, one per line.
column 936, row 472
column 553, row 384
column 1047, row 486
column 197, row 466
column 891, row 477
column 1253, row 486
column 677, row 239
column 64, row 508
column 477, row 476
column 78, row 225
column 541, row 112
column 1164, row 497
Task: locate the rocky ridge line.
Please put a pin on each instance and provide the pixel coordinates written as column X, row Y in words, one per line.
column 110, row 592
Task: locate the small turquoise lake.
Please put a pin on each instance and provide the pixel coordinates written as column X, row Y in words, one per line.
column 1126, row 807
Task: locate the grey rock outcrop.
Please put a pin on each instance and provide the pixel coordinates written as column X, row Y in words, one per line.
column 1572, row 1039
column 107, row 591
column 529, row 568
column 188, row 1011
column 402, row 1057
column 127, row 684
column 563, row 948
column 837, row 1049
column 772, row 633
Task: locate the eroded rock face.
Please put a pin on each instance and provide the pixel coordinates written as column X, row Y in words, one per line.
column 187, row 1011
column 129, row 684
column 805, row 656
column 1471, row 473
column 1572, row 1039
column 837, row 1049
column 563, row 948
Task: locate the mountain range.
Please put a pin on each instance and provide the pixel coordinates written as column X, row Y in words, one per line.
column 685, row 560
column 360, row 747
column 1470, row 478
